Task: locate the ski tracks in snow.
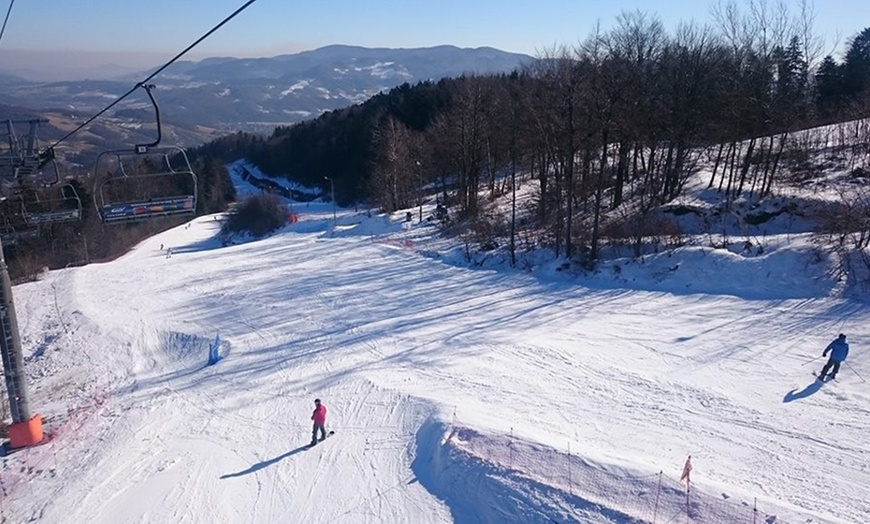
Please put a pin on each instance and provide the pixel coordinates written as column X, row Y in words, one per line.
column 390, row 340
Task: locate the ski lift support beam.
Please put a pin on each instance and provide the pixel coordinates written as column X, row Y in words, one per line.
column 23, row 160
column 143, row 148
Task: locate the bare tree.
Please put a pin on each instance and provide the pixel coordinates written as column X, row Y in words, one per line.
column 555, row 110
column 805, row 31
column 392, row 180
column 636, row 45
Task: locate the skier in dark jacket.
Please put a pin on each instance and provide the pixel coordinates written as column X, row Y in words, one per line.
column 319, row 418
column 839, row 351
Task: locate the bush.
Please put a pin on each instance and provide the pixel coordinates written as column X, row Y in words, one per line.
column 257, row 215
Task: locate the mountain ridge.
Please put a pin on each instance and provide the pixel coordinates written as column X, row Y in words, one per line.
column 255, row 94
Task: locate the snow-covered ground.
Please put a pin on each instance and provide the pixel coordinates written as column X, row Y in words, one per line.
column 457, row 394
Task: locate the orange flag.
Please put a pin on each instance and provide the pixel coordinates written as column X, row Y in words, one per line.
column 687, row 469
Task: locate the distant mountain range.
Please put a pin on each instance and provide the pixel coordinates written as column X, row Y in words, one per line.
column 199, row 100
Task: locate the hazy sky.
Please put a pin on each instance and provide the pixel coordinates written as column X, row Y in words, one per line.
column 73, row 38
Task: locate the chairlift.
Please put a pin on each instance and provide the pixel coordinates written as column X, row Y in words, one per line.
column 145, row 182
column 8, row 235
column 20, row 157
column 13, row 227
column 11, row 236
column 52, row 209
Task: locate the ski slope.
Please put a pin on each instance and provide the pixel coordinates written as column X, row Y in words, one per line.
column 455, row 392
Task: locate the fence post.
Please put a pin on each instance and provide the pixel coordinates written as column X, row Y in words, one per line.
column 511, row 449
column 570, row 484
column 754, row 509
column 54, row 453
column 29, row 469
column 688, row 507
column 658, row 492
column 570, row 481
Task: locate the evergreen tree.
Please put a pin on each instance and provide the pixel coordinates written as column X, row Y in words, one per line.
column 791, row 83
column 856, row 65
column 829, row 87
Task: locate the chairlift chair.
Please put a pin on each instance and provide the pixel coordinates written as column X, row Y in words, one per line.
column 13, row 227
column 11, row 236
column 54, row 209
column 124, row 193
column 8, row 235
column 142, row 182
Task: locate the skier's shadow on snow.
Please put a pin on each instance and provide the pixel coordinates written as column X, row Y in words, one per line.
column 260, row 465
column 804, row 393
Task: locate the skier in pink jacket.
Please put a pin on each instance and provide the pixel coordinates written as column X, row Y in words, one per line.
column 319, row 418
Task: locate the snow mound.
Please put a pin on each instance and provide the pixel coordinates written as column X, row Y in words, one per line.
column 738, row 269
column 515, row 480
column 449, row 468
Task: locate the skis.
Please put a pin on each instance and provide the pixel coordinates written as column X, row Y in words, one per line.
column 329, row 434
column 820, row 379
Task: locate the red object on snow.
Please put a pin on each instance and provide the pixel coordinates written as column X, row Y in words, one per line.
column 29, row 432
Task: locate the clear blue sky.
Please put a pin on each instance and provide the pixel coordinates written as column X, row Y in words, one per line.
column 54, row 33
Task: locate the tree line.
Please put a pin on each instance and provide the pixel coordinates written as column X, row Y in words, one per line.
column 606, row 130
column 623, row 117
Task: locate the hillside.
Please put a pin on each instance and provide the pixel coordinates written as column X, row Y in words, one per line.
column 459, row 389
column 215, row 96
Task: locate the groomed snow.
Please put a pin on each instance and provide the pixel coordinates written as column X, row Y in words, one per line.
column 456, row 393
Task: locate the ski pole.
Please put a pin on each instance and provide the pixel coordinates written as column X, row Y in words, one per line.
column 813, row 360
column 853, row 370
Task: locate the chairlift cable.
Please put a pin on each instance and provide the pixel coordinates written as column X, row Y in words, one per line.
column 8, row 12
column 155, row 73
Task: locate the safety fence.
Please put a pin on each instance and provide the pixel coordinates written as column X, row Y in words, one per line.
column 20, row 467
column 655, row 498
